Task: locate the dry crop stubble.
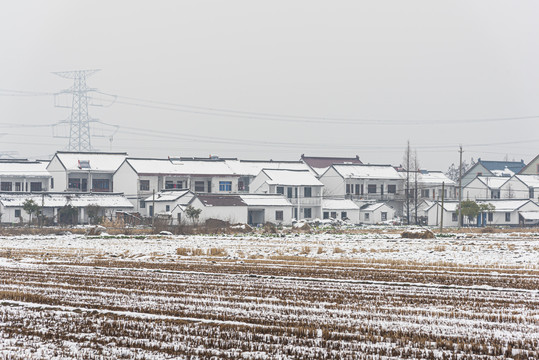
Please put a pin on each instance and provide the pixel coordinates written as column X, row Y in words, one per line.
column 294, row 307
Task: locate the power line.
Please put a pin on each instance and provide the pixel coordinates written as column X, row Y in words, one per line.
column 241, row 114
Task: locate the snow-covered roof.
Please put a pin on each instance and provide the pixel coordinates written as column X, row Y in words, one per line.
column 530, row 215
column 500, row 205
column 291, row 177
column 431, row 178
column 265, row 200
column 493, row 182
column 529, row 180
column 507, row 205
column 24, row 168
column 320, row 162
column 94, row 161
column 164, row 196
column 202, row 167
column 339, row 204
column 505, row 172
column 387, row 172
column 180, row 167
column 253, row 167
column 372, row 207
column 56, row 200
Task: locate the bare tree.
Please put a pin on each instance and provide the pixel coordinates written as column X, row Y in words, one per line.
column 407, row 163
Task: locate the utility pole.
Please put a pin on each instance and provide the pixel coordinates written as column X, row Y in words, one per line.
column 460, row 187
column 153, row 207
column 407, row 158
column 415, row 193
column 79, row 121
column 442, row 210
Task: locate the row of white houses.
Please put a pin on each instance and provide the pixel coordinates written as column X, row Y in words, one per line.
column 247, row 191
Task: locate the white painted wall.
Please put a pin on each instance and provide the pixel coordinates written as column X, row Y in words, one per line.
column 232, row 214
column 375, row 216
column 334, row 184
column 514, row 189
column 58, row 173
column 476, row 189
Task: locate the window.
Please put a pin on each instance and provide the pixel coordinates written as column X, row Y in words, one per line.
column 307, row 192
column 280, row 190
column 73, row 183
column 179, row 218
column 142, row 204
column 6, row 186
column 532, row 195
column 333, row 215
column 240, row 185
column 357, row 189
column 209, row 186
column 371, row 189
column 289, row 193
column 179, row 184
column 348, row 188
column 425, row 193
column 151, row 210
column 366, row 216
column 169, row 184
column 279, row 215
column 36, row 186
column 199, row 186
column 507, row 216
column 392, row 189
column 52, row 183
column 18, row 186
column 454, row 217
column 362, row 189
column 100, row 185
column 307, row 213
column 225, row 185
column 344, row 215
column 145, row 185
column 167, row 208
column 18, row 213
column 490, row 216
column 325, row 215
column 384, row 216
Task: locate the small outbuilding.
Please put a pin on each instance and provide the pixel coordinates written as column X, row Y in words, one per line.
column 376, row 213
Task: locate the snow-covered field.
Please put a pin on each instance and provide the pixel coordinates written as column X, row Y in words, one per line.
column 471, row 296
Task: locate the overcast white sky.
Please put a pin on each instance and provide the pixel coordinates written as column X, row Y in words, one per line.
column 394, row 70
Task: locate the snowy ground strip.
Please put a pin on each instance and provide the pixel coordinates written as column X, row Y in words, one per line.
column 297, row 297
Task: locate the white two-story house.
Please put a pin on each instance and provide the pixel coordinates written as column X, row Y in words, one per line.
column 361, row 181
column 84, row 171
column 139, row 178
column 300, row 187
column 24, row 176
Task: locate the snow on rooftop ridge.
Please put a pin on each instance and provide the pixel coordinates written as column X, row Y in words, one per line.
column 359, row 171
column 265, row 200
column 28, row 169
column 339, row 204
column 97, row 161
column 493, row 182
column 291, row 177
column 253, row 167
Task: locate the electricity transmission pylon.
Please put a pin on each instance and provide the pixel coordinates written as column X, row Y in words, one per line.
column 79, row 121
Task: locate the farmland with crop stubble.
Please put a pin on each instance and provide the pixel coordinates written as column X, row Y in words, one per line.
column 324, row 296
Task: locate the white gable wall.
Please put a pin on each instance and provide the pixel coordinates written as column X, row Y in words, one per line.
column 58, row 173
column 334, row 184
column 514, row 189
column 476, row 189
